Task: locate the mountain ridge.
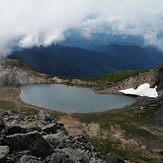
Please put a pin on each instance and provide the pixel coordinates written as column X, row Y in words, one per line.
column 81, row 63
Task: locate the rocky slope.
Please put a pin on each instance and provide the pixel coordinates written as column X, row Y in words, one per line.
column 16, row 73
column 153, row 76
column 36, row 139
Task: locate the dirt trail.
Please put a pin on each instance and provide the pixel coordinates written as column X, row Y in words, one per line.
column 73, row 126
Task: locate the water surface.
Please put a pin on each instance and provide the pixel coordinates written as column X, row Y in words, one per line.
column 71, row 99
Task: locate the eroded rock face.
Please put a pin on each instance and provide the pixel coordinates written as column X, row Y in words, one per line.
column 16, row 73
column 39, row 139
column 133, row 82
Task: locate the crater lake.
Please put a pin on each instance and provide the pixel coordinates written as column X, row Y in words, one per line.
column 71, row 99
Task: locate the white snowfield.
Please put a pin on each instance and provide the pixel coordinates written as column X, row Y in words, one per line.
column 142, row 90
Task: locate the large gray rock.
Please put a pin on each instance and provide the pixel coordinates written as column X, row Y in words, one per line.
column 4, row 150
column 32, row 141
column 29, row 159
column 10, row 130
column 15, row 114
column 54, row 158
column 50, row 128
column 76, row 155
column 57, row 140
column 44, row 116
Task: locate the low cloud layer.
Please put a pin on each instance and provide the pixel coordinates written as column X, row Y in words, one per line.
column 27, row 23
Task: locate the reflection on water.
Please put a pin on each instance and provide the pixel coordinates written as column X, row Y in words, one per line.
column 71, row 99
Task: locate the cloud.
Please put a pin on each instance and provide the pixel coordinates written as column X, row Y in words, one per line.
column 27, row 23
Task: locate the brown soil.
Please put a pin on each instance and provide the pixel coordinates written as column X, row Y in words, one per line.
column 72, row 124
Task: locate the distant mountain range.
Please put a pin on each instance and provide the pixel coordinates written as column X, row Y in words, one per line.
column 77, row 62
column 98, row 41
column 98, row 53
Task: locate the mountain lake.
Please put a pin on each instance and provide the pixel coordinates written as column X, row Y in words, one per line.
column 71, row 99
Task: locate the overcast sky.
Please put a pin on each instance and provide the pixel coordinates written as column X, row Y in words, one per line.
column 41, row 22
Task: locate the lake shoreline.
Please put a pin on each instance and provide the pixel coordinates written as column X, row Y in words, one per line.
column 72, row 99
column 13, row 94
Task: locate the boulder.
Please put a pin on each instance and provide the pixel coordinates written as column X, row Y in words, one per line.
column 10, row 130
column 4, row 150
column 89, row 146
column 32, row 141
column 15, row 114
column 54, row 158
column 59, row 140
column 50, row 128
column 29, row 159
column 77, row 155
column 44, row 116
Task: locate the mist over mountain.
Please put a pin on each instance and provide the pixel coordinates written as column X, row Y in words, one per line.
column 82, row 63
column 99, row 40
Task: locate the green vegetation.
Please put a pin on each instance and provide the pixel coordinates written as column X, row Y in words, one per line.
column 106, row 145
column 132, row 122
column 9, row 105
column 104, row 81
column 20, row 64
column 27, row 111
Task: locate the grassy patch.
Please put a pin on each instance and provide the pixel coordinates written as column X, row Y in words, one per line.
column 104, row 81
column 27, row 111
column 105, row 145
column 7, row 105
column 108, row 145
column 131, row 115
column 135, row 131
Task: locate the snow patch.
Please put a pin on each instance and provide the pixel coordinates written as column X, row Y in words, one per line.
column 142, row 90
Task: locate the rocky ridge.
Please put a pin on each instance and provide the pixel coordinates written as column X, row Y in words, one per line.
column 152, row 76
column 39, row 139
column 16, row 73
